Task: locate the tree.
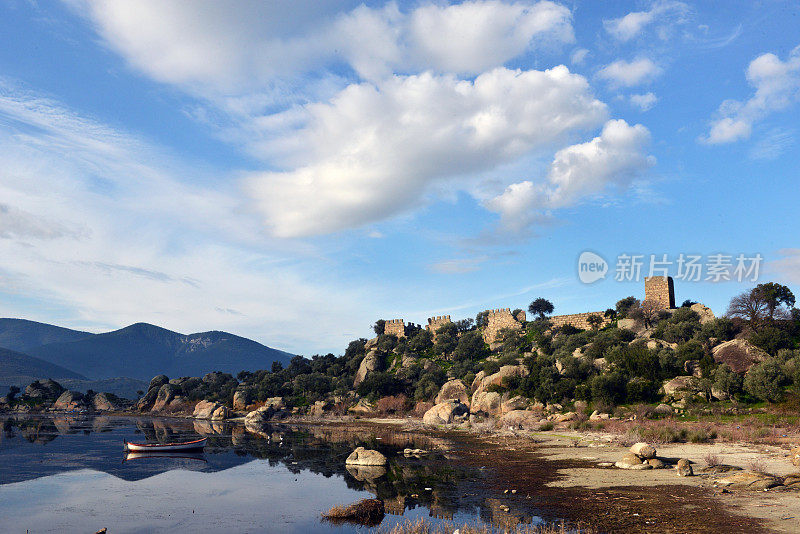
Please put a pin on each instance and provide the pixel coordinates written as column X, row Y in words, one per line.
column 610, row 314
column 727, row 380
column 465, row 325
column 379, row 327
column 541, row 307
column 775, row 296
column 688, row 303
column 594, row 321
column 764, row 381
column 446, row 339
column 624, row 305
column 482, row 319
column 647, row 312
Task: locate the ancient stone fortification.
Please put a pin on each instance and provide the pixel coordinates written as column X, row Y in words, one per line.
column 660, row 289
column 498, row 320
column 578, row 320
column 395, row 327
column 434, row 323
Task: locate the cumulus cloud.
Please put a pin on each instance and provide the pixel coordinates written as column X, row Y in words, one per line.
column 225, row 45
column 777, row 87
column 644, row 102
column 623, row 73
column 633, row 24
column 614, row 158
column 374, row 149
column 128, row 240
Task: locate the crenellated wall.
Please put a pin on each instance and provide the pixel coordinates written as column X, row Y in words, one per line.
column 395, row 327
column 497, row 320
column 578, row 320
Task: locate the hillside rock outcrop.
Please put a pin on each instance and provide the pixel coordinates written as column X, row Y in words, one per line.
column 451, row 411
column 70, row 401
column 371, row 362
column 210, row 410
column 739, row 354
column 453, row 390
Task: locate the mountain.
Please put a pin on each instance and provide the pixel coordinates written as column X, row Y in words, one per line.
column 17, row 369
column 143, row 350
column 20, row 334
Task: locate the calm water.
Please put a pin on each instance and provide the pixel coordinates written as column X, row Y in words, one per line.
column 68, row 474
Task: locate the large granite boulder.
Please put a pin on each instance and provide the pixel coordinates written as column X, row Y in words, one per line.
column 705, row 313
column 497, row 379
column 684, row 468
column 276, row 403
column 488, row 402
column 794, row 456
column 167, row 395
column 103, row 402
column 682, row 387
column 515, row 403
column 70, row 401
column 520, row 419
column 241, row 399
column 645, row 451
column 320, row 408
column 210, row 410
column 739, row 354
column 362, row 407
column 45, row 389
column 451, row 411
column 371, row 362
column 362, row 456
column 257, row 419
column 631, row 461
column 453, row 390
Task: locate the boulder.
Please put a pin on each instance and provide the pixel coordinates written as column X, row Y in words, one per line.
column 409, row 360
column 257, row 419
column 477, row 380
column 488, row 402
column 276, row 403
column 739, row 354
column 794, row 456
column 684, row 386
column 319, row 408
column 655, row 463
column 447, row 412
column 371, row 362
column 746, row 479
column 166, row 395
column 705, row 313
column 627, row 324
column 601, row 364
column 210, row 410
column 70, row 401
column 692, row 367
column 103, row 402
column 597, row 416
column 157, row 381
column 521, row 419
column 362, row 407
column 496, row 379
column 241, row 399
column 684, row 468
column 362, row 456
column 631, row 461
column 514, row 403
column 654, row 344
column 45, row 389
column 453, row 390
column 643, row 450
column 563, row 417
column 664, row 409
column 372, row 343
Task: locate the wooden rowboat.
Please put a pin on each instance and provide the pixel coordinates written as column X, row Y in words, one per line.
column 197, row 444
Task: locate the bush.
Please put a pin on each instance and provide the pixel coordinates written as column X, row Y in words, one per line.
column 379, row 385
column 723, row 329
column 764, row 381
column 609, row 388
column 641, row 390
column 393, row 404
column 771, row 339
column 727, row 380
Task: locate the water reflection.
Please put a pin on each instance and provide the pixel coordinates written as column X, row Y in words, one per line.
column 35, row 447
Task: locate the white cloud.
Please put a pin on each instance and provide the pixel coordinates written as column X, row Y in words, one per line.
column 788, row 266
column 623, row 73
column 644, row 102
column 777, row 87
column 579, row 56
column 614, row 158
column 773, row 144
column 633, row 24
column 459, row 265
column 374, row 150
column 128, row 241
column 225, row 46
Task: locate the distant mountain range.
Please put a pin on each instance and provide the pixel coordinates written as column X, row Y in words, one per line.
column 139, row 352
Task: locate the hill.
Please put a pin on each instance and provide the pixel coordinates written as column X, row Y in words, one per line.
column 17, row 369
column 143, row 350
column 20, row 334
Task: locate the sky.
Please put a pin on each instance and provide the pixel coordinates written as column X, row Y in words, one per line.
column 293, row 171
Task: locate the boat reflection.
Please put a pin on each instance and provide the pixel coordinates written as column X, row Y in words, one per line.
column 165, row 454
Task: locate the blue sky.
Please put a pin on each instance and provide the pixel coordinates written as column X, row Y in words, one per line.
column 291, row 172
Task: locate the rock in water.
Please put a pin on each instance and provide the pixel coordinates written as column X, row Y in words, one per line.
column 69, row 401
column 684, row 468
column 362, row 456
column 645, row 451
column 103, row 403
column 210, row 410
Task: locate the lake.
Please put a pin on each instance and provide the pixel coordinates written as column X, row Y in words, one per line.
column 69, row 474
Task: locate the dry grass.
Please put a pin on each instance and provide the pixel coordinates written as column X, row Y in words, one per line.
column 758, row 466
column 711, row 459
column 423, row 526
column 367, row 512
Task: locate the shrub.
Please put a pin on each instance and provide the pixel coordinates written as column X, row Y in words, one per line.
column 546, row 427
column 641, row 390
column 727, row 380
column 764, row 380
column 393, row 404
column 608, row 388
column 771, row 339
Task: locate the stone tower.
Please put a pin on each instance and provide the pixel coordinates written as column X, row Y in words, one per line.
column 395, row 327
column 434, row 323
column 660, row 289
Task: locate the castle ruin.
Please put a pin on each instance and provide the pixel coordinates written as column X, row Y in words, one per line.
column 660, row 289
column 500, row 319
column 395, row 327
column 434, row 323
